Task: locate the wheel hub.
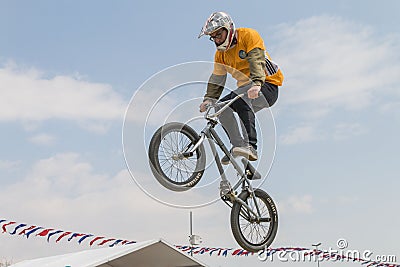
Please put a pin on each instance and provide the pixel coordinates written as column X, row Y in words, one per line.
column 177, row 157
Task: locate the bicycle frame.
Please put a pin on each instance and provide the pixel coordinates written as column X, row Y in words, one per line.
column 211, row 134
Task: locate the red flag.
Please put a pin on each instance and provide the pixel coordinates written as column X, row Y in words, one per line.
column 44, row 232
column 105, row 241
column 95, row 239
column 237, row 251
column 63, row 235
column 4, row 226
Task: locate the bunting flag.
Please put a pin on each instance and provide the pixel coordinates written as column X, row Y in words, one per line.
column 27, row 231
column 44, row 232
column 63, row 235
column 116, row 242
column 53, row 233
column 74, row 235
column 16, row 228
column 106, row 241
column 84, row 237
column 6, row 224
column 95, row 239
column 32, row 231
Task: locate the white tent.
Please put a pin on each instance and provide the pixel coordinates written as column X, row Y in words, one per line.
column 147, row 254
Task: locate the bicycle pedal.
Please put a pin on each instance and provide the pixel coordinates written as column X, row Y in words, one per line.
column 225, row 188
column 225, row 198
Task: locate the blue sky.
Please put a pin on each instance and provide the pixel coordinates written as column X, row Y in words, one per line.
column 68, row 70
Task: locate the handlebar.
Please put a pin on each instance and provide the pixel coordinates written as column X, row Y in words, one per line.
column 225, row 105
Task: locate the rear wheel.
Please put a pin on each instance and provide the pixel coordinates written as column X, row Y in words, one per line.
column 254, row 234
column 170, row 162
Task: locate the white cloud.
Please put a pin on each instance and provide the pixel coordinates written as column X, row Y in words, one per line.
column 300, row 134
column 333, row 63
column 149, row 105
column 27, row 95
column 173, row 94
column 43, row 139
column 309, row 133
column 64, row 175
column 95, row 126
column 66, row 192
column 297, row 204
column 8, row 164
column 346, row 130
column 392, row 108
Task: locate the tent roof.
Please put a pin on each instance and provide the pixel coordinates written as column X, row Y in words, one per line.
column 149, row 253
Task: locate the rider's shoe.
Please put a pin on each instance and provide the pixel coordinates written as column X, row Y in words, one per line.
column 247, row 151
column 225, row 160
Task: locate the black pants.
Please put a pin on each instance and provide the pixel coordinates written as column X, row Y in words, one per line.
column 246, row 108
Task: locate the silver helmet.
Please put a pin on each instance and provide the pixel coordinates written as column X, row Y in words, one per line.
column 216, row 21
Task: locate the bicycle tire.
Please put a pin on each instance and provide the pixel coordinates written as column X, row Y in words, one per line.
column 159, row 146
column 241, row 230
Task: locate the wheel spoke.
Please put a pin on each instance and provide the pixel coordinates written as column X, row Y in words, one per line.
column 172, row 145
column 166, row 153
column 255, row 232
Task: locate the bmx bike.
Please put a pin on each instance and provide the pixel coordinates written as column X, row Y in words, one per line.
column 177, row 160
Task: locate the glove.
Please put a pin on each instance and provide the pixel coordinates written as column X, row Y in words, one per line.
column 203, row 106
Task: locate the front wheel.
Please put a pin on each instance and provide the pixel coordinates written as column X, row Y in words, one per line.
column 254, row 234
column 169, row 160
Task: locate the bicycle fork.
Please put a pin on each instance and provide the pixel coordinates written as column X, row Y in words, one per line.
column 225, row 186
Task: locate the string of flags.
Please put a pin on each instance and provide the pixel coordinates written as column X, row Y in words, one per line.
column 25, row 230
